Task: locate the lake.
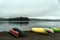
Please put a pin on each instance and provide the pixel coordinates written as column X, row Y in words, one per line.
column 6, row 26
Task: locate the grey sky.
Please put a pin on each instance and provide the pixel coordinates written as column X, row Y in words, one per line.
column 16, row 8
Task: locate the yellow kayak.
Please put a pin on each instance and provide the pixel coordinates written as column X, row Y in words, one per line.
column 39, row 30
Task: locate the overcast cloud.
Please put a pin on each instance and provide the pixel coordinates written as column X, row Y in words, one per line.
column 16, row 8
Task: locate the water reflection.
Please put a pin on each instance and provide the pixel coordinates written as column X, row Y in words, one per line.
column 20, row 23
column 6, row 26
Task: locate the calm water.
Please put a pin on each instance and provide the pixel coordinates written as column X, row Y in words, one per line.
column 5, row 26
